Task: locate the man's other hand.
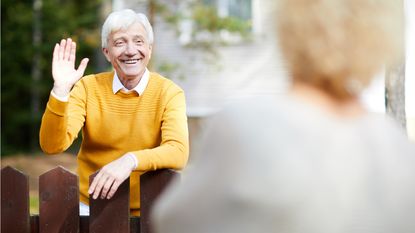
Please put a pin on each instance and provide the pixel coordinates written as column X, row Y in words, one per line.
column 111, row 176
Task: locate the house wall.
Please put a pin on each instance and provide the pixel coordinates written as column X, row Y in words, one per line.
column 241, row 70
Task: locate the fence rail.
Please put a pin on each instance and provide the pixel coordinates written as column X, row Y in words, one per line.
column 59, row 204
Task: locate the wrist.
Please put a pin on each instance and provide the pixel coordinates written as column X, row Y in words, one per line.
column 61, row 91
column 133, row 159
column 62, row 99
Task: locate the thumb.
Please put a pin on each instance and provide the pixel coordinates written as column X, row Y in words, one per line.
column 82, row 67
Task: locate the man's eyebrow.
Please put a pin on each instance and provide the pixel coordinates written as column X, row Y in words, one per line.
column 139, row 36
column 118, row 38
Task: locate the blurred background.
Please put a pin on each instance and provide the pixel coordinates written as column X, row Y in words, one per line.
column 218, row 51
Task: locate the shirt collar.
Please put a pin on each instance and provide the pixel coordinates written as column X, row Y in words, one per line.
column 141, row 86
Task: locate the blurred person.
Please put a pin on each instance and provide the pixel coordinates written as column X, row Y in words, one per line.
column 315, row 160
column 132, row 120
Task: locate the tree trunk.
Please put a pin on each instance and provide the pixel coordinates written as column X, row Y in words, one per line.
column 395, row 93
column 395, row 81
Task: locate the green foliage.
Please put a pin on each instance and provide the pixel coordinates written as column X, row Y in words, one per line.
column 58, row 19
column 34, row 204
column 207, row 29
column 206, row 18
column 171, row 68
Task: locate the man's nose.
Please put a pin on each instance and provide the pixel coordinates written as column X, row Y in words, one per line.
column 131, row 49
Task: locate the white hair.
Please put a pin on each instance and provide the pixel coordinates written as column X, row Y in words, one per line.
column 122, row 19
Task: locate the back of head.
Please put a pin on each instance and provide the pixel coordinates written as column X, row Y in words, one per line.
column 339, row 45
column 122, row 19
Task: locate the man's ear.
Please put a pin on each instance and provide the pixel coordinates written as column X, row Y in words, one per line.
column 150, row 50
column 106, row 52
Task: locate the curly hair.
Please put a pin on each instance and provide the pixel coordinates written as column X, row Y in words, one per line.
column 339, row 45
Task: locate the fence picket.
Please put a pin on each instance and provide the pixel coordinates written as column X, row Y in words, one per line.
column 113, row 215
column 152, row 185
column 59, row 201
column 84, row 224
column 34, row 224
column 14, row 201
column 59, row 204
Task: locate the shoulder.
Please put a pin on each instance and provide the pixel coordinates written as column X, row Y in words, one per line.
column 255, row 110
column 99, row 77
column 163, row 89
column 389, row 135
column 163, row 83
column 251, row 117
column 95, row 81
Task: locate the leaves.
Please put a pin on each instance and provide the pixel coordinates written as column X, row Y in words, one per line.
column 58, row 19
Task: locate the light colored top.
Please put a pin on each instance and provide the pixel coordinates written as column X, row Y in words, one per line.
column 152, row 126
column 279, row 165
column 141, row 86
column 117, row 86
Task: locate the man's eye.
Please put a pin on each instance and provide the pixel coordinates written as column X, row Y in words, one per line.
column 119, row 43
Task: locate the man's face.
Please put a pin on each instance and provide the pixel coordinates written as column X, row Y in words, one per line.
column 129, row 51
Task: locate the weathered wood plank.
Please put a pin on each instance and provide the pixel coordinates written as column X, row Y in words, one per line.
column 14, row 201
column 134, row 224
column 83, row 224
column 113, row 215
column 152, row 185
column 34, row 224
column 59, row 201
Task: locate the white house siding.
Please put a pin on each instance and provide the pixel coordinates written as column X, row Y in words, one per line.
column 245, row 69
column 250, row 68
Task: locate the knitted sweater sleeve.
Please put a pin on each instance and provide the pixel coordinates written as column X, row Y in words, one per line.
column 62, row 121
column 173, row 151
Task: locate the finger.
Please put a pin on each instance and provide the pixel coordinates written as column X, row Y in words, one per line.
column 94, row 183
column 72, row 53
column 114, row 188
column 106, row 187
column 99, row 186
column 62, row 49
column 82, row 67
column 68, row 48
column 55, row 52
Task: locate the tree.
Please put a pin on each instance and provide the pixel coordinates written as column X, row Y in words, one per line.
column 208, row 27
column 395, row 93
column 395, row 81
column 29, row 31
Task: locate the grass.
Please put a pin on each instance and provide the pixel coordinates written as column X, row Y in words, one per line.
column 34, row 204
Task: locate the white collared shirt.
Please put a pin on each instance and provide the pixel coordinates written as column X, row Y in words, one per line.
column 141, row 86
column 117, row 85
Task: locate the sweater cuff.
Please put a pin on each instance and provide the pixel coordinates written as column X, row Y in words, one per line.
column 60, row 98
column 56, row 106
column 142, row 160
column 134, row 158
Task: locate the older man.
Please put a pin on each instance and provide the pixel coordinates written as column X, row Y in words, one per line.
column 132, row 120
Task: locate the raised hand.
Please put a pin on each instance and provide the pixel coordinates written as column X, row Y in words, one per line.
column 63, row 67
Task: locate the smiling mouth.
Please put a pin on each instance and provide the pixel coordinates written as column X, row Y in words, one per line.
column 131, row 61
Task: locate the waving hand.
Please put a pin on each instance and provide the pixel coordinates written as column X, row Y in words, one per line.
column 63, row 67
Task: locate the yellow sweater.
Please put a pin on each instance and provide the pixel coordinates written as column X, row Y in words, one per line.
column 153, row 126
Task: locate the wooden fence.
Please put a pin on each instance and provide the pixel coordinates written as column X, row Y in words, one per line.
column 59, row 204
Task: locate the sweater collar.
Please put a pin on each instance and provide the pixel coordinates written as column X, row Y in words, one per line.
column 141, row 86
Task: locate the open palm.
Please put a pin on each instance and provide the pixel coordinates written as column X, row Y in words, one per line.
column 63, row 67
